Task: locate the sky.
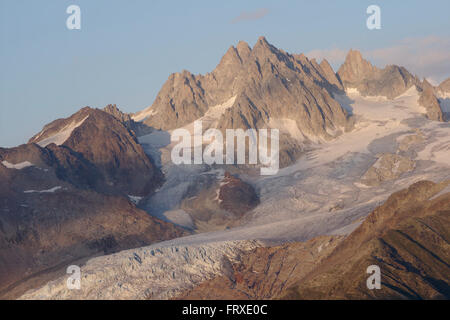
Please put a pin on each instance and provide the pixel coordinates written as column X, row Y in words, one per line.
column 126, row 50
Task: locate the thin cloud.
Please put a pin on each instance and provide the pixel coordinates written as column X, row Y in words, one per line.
column 333, row 56
column 250, row 16
column 428, row 57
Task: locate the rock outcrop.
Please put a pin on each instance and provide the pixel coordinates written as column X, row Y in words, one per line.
column 218, row 204
column 330, row 75
column 107, row 144
column 387, row 167
column 358, row 73
column 429, row 100
column 236, row 196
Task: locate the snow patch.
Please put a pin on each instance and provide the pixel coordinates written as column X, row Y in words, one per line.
column 51, row 190
column 135, row 199
column 287, row 126
column 17, row 166
column 142, row 115
column 442, row 192
column 211, row 118
column 180, row 217
column 60, row 137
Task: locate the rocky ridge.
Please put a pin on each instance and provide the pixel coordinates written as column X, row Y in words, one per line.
column 391, row 81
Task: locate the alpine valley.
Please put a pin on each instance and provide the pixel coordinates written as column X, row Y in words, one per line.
column 364, row 179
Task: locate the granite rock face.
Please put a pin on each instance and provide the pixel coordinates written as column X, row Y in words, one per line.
column 356, row 72
column 444, row 86
column 267, row 83
column 430, row 101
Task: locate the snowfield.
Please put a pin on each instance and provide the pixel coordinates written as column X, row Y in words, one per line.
column 17, row 166
column 60, row 137
column 320, row 194
column 51, row 190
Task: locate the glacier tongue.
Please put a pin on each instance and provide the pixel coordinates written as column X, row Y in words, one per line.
column 155, row 272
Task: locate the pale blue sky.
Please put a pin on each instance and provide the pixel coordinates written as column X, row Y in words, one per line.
column 126, row 50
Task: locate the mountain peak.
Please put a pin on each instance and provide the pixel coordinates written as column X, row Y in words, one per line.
column 262, row 43
column 354, row 55
column 242, row 45
column 324, row 64
column 355, row 67
column 427, row 85
column 330, row 75
column 243, row 49
column 445, row 85
column 262, row 39
column 231, row 56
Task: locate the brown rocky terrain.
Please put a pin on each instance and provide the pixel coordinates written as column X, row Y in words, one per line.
column 43, row 231
column 330, row 75
column 356, row 72
column 108, row 145
column 444, row 86
column 219, row 204
column 67, row 199
column 407, row 237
